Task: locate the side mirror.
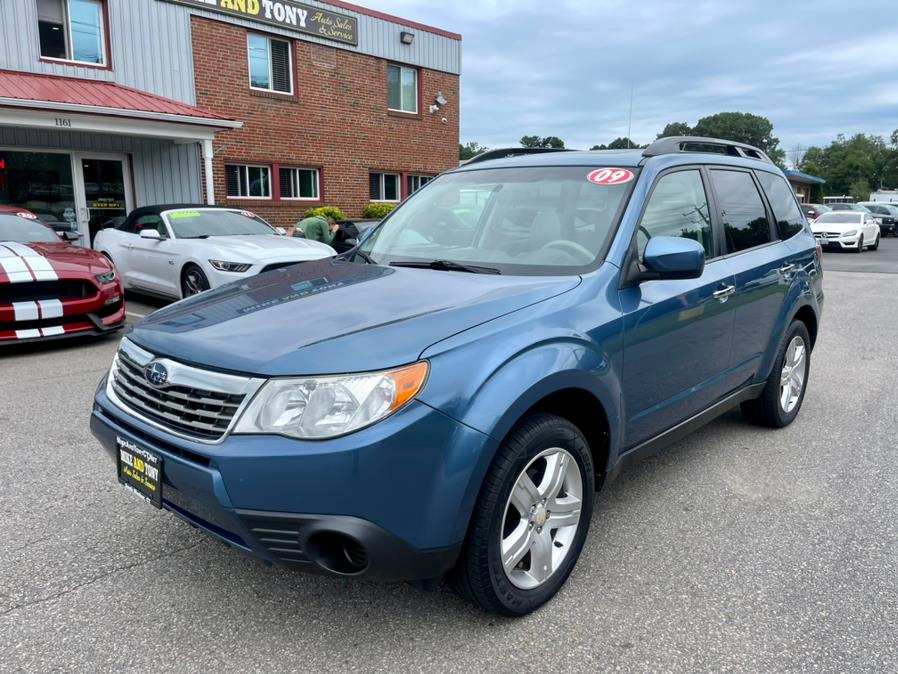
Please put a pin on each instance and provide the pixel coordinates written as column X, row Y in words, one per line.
column 673, row 258
column 152, row 234
column 70, row 236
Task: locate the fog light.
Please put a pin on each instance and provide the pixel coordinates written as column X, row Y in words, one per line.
column 113, row 300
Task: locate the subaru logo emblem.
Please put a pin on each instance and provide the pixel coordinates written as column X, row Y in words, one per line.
column 156, row 373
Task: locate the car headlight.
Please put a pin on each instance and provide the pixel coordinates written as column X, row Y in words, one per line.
column 316, row 408
column 850, row 232
column 106, row 277
column 234, row 267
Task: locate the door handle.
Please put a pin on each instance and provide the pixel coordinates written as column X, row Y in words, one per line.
column 788, row 269
column 724, row 294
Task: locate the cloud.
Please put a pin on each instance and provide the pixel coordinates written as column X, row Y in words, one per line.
column 815, row 68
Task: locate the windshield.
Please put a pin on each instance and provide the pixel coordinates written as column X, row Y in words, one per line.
column 202, row 223
column 25, row 230
column 844, row 217
column 531, row 221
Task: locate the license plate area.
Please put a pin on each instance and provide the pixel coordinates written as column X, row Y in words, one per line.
column 140, row 471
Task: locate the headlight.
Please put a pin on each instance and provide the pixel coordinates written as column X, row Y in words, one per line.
column 851, row 232
column 234, row 267
column 316, row 408
column 106, row 277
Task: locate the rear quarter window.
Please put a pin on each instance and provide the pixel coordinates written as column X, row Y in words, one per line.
column 789, row 221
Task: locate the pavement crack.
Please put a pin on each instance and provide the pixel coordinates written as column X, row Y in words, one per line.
column 92, row 581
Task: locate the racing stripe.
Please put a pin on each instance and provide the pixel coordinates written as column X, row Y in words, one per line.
column 28, row 334
column 53, row 332
column 37, row 263
column 16, row 269
column 50, row 308
column 25, row 311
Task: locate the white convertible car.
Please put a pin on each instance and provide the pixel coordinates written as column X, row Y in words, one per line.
column 179, row 251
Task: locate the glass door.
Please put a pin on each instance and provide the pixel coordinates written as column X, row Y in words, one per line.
column 104, row 193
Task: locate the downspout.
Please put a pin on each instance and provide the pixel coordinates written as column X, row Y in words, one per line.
column 208, row 154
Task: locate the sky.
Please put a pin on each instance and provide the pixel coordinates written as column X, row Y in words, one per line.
column 565, row 67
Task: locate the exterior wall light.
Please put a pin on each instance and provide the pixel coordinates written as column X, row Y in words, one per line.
column 406, row 37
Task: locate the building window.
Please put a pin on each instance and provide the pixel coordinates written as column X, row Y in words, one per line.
column 72, row 30
column 248, row 182
column 415, row 183
column 269, row 64
column 384, row 187
column 402, row 89
column 299, row 184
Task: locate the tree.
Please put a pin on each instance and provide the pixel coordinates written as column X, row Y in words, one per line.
column 742, row 127
column 622, row 143
column 548, row 142
column 470, row 150
column 676, row 129
column 860, row 190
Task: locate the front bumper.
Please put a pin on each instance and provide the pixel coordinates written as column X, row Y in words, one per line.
column 844, row 242
column 392, row 500
column 39, row 320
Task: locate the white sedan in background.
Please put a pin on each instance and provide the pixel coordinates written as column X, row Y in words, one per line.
column 179, row 251
column 853, row 230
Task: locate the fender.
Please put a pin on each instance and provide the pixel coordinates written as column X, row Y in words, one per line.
column 801, row 295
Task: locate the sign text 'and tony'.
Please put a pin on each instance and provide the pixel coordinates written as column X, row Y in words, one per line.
column 287, row 14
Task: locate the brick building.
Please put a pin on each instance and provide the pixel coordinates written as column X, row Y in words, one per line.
column 273, row 106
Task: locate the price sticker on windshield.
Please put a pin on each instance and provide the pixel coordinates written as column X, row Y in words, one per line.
column 248, row 214
column 610, row 176
column 27, row 216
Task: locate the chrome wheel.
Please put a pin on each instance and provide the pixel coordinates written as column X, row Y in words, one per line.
column 541, row 518
column 793, row 374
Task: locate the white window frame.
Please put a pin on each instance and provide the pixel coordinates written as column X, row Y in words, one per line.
column 249, row 67
column 295, row 173
column 246, row 167
column 416, row 178
column 417, row 85
column 383, row 191
column 69, row 43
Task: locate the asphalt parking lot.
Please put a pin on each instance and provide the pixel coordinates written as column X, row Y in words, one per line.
column 736, row 549
column 882, row 261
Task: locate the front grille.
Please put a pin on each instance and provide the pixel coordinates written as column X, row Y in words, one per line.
column 194, row 412
column 46, row 290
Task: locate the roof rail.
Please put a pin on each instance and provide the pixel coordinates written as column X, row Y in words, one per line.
column 676, row 144
column 505, row 153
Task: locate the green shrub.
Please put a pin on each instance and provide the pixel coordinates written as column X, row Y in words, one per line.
column 327, row 212
column 377, row 211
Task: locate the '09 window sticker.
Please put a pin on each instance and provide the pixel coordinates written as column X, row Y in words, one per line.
column 610, row 176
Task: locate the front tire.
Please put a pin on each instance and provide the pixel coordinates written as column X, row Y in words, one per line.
column 193, row 281
column 531, row 518
column 860, row 245
column 784, row 391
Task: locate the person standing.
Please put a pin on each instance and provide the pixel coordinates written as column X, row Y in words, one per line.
column 316, row 228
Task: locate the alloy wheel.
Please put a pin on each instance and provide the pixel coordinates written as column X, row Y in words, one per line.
column 541, row 518
column 793, row 374
column 194, row 283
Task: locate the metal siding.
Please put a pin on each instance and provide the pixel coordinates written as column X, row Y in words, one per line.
column 163, row 171
column 151, row 45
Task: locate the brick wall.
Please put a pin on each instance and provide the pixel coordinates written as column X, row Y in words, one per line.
column 336, row 121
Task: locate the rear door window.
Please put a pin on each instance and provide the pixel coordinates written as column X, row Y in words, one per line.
column 742, row 210
column 782, row 201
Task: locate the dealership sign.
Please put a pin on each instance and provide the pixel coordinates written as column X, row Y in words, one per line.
column 288, row 15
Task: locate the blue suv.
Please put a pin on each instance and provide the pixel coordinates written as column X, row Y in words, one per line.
column 445, row 399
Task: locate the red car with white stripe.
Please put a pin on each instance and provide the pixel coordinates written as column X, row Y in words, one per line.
column 50, row 289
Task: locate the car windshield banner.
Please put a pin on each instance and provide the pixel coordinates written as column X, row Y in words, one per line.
column 288, row 15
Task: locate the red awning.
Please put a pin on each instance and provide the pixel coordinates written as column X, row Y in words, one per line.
column 50, row 92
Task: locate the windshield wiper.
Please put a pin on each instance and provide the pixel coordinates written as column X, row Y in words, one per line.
column 352, row 254
column 446, row 265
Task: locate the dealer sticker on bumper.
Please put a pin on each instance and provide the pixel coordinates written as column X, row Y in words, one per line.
column 140, row 471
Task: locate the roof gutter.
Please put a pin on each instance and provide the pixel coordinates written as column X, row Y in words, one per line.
column 120, row 112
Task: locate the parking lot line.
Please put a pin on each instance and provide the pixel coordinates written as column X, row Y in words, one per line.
column 135, row 315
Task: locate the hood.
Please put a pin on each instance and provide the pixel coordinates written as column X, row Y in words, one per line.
column 331, row 317
column 263, row 248
column 65, row 259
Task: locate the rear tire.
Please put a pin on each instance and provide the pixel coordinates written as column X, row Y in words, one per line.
column 544, row 463
column 777, row 407
column 193, row 281
column 875, row 245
